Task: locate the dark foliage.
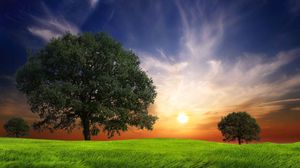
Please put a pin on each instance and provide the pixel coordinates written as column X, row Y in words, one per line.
column 16, row 127
column 89, row 78
column 239, row 126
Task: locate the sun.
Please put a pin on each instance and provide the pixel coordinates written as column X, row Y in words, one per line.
column 182, row 118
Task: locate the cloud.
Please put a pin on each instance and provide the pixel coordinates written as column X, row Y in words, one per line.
column 93, row 3
column 200, row 80
column 51, row 26
column 285, row 116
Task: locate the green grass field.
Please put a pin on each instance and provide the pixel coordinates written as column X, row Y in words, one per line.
column 145, row 153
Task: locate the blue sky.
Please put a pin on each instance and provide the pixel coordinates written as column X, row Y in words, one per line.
column 207, row 58
column 251, row 26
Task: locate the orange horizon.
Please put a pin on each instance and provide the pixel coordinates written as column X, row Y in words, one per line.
column 267, row 135
column 278, row 124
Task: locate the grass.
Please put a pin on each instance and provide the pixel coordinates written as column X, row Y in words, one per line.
column 145, row 153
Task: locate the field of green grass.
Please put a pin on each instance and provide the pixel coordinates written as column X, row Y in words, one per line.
column 145, row 153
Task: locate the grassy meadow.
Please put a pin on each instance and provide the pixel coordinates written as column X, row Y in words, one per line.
column 145, row 153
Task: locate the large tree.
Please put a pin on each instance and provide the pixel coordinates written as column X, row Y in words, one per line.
column 16, row 127
column 90, row 77
column 239, row 126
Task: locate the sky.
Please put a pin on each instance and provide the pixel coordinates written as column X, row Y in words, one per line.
column 207, row 59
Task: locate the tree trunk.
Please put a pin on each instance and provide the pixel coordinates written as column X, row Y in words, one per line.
column 239, row 140
column 86, row 128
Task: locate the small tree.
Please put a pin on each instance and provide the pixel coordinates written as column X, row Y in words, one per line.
column 239, row 126
column 16, row 127
column 90, row 77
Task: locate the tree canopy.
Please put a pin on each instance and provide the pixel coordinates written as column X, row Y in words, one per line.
column 239, row 126
column 16, row 127
column 89, row 78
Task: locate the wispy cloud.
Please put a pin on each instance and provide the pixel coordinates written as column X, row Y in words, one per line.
column 51, row 26
column 93, row 3
column 200, row 80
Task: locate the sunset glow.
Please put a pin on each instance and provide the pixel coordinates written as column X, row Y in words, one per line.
column 182, row 118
